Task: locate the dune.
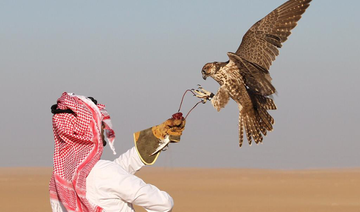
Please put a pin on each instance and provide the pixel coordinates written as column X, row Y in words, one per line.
column 211, row 190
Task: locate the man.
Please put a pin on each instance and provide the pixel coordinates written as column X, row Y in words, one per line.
column 83, row 182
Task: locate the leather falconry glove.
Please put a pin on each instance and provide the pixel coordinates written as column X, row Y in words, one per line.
column 151, row 141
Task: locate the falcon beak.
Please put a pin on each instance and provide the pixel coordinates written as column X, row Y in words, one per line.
column 203, row 74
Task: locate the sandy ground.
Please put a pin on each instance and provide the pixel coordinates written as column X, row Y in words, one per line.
column 211, row 190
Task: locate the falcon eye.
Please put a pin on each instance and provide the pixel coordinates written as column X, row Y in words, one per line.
column 203, row 71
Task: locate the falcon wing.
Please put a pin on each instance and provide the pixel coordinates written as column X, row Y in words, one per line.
column 261, row 42
column 256, row 78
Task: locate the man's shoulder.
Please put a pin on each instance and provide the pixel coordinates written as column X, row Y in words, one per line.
column 107, row 169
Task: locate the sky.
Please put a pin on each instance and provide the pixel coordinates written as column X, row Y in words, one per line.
column 139, row 57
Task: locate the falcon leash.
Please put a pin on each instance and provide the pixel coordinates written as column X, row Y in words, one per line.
column 197, row 93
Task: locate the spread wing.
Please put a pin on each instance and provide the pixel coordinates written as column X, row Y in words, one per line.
column 261, row 42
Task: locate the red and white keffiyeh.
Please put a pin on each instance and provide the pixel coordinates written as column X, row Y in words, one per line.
column 78, row 147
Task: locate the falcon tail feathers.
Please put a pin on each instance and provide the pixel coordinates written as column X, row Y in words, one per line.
column 241, row 130
column 252, row 129
column 256, row 122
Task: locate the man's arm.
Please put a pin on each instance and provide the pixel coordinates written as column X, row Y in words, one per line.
column 130, row 161
column 145, row 195
column 148, row 143
column 112, row 188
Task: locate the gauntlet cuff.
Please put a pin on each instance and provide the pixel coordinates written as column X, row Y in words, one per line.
column 146, row 143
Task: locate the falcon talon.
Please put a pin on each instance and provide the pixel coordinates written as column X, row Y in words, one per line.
column 211, row 96
column 193, row 91
column 197, row 93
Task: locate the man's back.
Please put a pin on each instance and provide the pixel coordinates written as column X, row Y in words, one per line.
column 113, row 186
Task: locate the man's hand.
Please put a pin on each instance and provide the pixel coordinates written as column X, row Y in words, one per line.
column 172, row 127
column 151, row 141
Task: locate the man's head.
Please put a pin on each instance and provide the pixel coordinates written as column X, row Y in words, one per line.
column 81, row 107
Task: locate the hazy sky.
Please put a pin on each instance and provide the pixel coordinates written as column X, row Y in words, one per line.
column 138, row 57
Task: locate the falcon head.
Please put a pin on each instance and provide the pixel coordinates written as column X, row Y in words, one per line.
column 210, row 69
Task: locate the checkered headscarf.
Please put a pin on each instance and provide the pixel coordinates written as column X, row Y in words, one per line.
column 78, row 146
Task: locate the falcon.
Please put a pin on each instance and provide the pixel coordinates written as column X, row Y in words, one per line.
column 245, row 77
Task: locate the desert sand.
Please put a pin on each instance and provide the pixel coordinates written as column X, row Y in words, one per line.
column 211, row 190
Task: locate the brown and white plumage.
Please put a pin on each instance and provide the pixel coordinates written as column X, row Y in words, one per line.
column 245, row 77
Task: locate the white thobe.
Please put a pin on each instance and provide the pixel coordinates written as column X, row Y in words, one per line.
column 113, row 186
